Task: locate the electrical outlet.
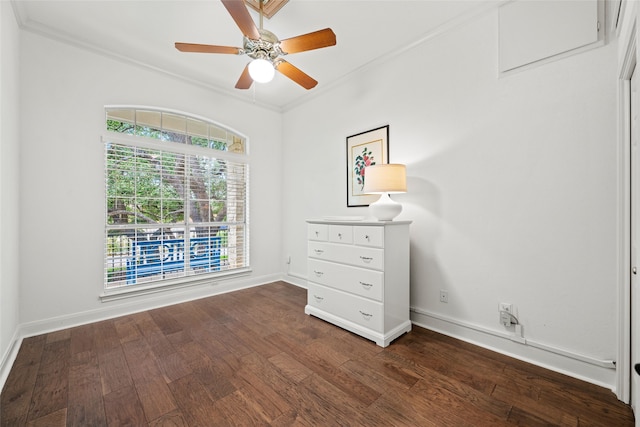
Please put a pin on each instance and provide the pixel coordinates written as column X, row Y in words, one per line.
column 444, row 296
column 504, row 306
column 504, row 310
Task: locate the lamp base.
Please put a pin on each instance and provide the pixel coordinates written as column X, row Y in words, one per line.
column 385, row 209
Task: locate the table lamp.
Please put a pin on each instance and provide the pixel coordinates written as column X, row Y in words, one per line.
column 383, row 180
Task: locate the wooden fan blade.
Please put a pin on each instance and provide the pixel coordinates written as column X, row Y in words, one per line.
column 240, row 14
column 245, row 81
column 310, row 41
column 296, row 74
column 206, row 48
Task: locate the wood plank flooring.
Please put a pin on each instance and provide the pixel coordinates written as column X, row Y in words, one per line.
column 253, row 357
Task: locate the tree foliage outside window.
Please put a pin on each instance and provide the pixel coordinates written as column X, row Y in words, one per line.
column 175, row 202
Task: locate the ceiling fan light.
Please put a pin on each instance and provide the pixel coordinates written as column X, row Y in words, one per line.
column 261, row 70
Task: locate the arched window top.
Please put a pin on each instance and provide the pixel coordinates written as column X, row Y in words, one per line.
column 173, row 127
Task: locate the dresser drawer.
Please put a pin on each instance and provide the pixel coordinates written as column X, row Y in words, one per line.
column 358, row 310
column 347, row 254
column 318, row 232
column 369, row 236
column 359, row 281
column 341, row 234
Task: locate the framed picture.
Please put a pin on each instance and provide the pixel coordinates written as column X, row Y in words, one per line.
column 364, row 149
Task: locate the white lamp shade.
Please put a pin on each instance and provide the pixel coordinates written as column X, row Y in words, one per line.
column 391, row 178
column 261, row 70
column 385, row 179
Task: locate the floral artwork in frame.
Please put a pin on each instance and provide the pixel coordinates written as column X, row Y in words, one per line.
column 364, row 149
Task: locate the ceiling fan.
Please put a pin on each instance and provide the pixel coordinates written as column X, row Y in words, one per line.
column 265, row 49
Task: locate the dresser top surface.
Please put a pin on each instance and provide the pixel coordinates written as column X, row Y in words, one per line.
column 370, row 222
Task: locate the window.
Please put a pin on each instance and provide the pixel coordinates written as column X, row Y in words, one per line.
column 176, row 198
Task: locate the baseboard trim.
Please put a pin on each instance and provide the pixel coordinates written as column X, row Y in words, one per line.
column 295, row 279
column 594, row 371
column 112, row 310
column 591, row 370
column 9, row 357
column 142, row 303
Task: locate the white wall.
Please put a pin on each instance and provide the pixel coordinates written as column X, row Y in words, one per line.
column 63, row 92
column 512, row 189
column 9, row 158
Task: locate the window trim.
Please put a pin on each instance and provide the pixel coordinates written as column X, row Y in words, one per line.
column 209, row 279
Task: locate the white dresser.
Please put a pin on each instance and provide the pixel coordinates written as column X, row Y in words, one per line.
column 358, row 276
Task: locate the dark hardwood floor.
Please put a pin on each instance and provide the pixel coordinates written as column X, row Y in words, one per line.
column 253, row 357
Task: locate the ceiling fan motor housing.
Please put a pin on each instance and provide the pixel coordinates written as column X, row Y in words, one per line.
column 267, row 47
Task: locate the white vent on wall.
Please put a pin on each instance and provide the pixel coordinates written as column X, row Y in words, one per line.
column 531, row 31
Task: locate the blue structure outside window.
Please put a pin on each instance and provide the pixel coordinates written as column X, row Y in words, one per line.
column 158, row 257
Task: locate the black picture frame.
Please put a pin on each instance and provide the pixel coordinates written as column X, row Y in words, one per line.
column 364, row 149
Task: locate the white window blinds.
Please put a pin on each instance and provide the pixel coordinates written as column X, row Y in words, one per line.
column 175, row 209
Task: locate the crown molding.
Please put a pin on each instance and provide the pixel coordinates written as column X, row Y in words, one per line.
column 40, row 29
column 45, row 31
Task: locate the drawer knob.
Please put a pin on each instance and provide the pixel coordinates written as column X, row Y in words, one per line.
column 318, row 273
column 365, row 316
column 317, row 233
column 318, row 251
column 340, row 236
column 366, row 237
column 318, row 298
column 366, row 285
column 366, row 259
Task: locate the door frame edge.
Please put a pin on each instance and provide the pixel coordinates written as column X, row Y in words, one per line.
column 627, row 64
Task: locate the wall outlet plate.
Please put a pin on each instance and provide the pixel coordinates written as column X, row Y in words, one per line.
column 505, row 306
column 504, row 310
column 444, row 296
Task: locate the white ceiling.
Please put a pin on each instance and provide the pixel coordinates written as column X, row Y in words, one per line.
column 144, row 31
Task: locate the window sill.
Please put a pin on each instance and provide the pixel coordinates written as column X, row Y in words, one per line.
column 185, row 282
